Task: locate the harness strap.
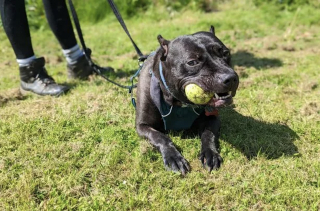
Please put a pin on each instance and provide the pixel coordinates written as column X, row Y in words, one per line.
column 162, row 77
column 133, row 100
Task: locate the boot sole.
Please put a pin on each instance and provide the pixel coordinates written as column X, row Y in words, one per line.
column 29, row 92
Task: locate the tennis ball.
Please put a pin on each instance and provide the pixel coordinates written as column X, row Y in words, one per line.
column 197, row 95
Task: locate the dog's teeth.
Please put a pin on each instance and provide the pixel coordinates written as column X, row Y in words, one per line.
column 216, row 95
column 230, row 93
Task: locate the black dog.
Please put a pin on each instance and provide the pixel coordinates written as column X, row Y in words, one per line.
column 162, row 104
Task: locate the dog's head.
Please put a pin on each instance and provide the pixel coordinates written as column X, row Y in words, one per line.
column 201, row 59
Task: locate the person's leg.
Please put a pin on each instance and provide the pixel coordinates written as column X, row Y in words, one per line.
column 15, row 24
column 60, row 24
column 33, row 75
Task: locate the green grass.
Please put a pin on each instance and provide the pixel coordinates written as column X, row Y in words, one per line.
column 81, row 152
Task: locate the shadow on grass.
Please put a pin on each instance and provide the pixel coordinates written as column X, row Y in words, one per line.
column 125, row 74
column 247, row 59
column 119, row 77
column 253, row 137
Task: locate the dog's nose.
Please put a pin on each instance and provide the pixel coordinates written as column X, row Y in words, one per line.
column 229, row 80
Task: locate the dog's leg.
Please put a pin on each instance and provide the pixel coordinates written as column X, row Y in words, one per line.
column 209, row 133
column 172, row 158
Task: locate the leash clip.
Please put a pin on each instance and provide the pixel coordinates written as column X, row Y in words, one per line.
column 143, row 57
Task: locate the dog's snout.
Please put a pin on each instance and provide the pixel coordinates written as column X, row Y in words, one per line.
column 229, row 80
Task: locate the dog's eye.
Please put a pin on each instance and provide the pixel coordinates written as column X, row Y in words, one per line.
column 193, row 62
column 226, row 53
column 221, row 51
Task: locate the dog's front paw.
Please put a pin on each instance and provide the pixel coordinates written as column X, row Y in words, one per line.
column 174, row 161
column 210, row 159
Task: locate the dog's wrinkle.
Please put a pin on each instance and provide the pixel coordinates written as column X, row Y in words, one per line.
column 207, row 83
column 185, row 81
column 218, row 64
column 190, row 47
column 214, row 64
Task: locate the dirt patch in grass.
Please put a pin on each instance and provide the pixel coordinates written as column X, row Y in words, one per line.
column 311, row 109
column 11, row 95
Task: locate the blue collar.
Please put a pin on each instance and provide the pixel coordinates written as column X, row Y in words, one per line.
column 162, row 77
column 167, row 87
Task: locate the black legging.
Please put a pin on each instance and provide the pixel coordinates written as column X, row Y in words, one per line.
column 15, row 24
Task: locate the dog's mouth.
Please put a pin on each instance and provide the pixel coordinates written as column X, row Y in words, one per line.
column 221, row 99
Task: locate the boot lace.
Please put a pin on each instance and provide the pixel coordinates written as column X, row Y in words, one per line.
column 43, row 77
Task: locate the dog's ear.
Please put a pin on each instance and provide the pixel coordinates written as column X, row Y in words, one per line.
column 164, row 46
column 212, row 30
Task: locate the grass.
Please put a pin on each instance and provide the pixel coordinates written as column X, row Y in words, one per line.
column 81, row 152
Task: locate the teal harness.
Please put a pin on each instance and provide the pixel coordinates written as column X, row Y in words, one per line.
column 174, row 117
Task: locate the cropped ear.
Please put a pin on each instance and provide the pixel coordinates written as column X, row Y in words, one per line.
column 164, row 46
column 212, row 30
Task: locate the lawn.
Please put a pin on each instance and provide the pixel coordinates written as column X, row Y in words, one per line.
column 81, row 152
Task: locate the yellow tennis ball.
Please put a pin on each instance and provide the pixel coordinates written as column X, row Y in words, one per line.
column 197, row 95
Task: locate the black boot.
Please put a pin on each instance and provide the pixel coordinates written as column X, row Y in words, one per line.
column 82, row 70
column 35, row 78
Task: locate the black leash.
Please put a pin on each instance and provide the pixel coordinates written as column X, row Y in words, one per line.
column 122, row 23
column 97, row 68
